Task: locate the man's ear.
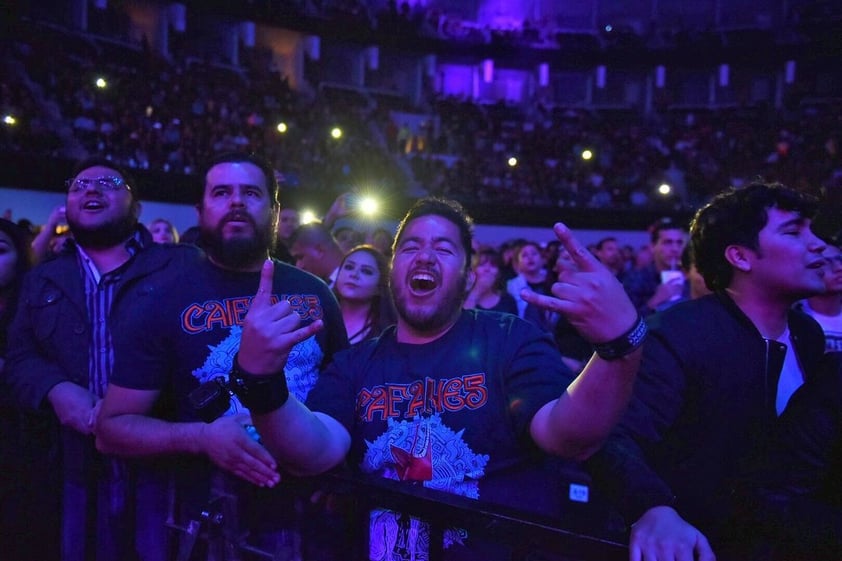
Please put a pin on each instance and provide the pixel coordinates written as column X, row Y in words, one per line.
column 198, row 212
column 738, row 257
column 137, row 208
column 470, row 279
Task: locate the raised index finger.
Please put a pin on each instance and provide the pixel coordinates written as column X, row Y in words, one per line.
column 264, row 288
column 580, row 255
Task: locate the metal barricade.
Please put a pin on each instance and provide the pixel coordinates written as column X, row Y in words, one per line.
column 524, row 533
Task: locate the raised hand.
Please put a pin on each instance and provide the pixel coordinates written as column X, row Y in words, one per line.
column 228, row 445
column 57, row 216
column 587, row 294
column 270, row 331
column 666, row 292
column 340, row 208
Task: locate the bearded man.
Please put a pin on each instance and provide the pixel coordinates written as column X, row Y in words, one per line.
column 451, row 399
column 186, row 333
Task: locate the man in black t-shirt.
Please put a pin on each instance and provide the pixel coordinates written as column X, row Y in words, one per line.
column 181, row 333
column 447, row 398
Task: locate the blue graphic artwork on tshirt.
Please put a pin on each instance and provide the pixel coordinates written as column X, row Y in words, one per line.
column 302, row 369
column 423, row 449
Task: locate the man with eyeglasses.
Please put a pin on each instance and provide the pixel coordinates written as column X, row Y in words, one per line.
column 61, row 358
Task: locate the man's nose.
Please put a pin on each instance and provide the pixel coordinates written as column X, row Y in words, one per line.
column 815, row 244
column 93, row 186
column 425, row 255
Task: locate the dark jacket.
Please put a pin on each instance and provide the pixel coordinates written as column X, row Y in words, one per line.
column 640, row 285
column 49, row 336
column 800, row 492
column 702, row 413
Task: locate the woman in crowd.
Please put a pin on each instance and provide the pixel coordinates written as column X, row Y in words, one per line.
column 28, row 495
column 488, row 291
column 15, row 260
column 163, row 231
column 528, row 263
column 363, row 293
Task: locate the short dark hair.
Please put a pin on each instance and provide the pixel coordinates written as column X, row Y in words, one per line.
column 665, row 223
column 449, row 210
column 604, row 241
column 687, row 258
column 102, row 161
column 313, row 233
column 736, row 217
column 240, row 157
column 525, row 244
column 489, row 255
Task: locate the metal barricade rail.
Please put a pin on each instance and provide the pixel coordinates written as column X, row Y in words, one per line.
column 524, row 533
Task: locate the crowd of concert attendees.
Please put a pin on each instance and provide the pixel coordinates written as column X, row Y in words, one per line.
column 152, row 113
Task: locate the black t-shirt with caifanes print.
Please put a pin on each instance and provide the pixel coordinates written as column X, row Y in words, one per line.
column 451, row 415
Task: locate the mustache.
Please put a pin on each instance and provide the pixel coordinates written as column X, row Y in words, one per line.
column 239, row 216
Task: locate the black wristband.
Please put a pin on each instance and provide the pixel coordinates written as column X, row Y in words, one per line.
column 261, row 394
column 625, row 344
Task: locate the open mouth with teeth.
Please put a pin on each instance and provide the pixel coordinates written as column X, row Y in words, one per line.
column 93, row 205
column 422, row 283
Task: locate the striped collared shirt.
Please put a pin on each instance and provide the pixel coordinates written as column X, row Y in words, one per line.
column 99, row 296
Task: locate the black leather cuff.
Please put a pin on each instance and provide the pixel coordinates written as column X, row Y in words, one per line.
column 625, row 344
column 261, row 394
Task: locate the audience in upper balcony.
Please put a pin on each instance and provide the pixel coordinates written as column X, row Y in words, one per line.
column 166, row 115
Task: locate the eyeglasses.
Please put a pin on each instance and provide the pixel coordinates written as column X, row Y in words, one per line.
column 102, row 184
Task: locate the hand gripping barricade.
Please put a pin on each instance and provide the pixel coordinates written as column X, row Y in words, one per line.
column 214, row 529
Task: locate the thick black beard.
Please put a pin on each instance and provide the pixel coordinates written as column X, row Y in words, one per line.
column 105, row 235
column 236, row 253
